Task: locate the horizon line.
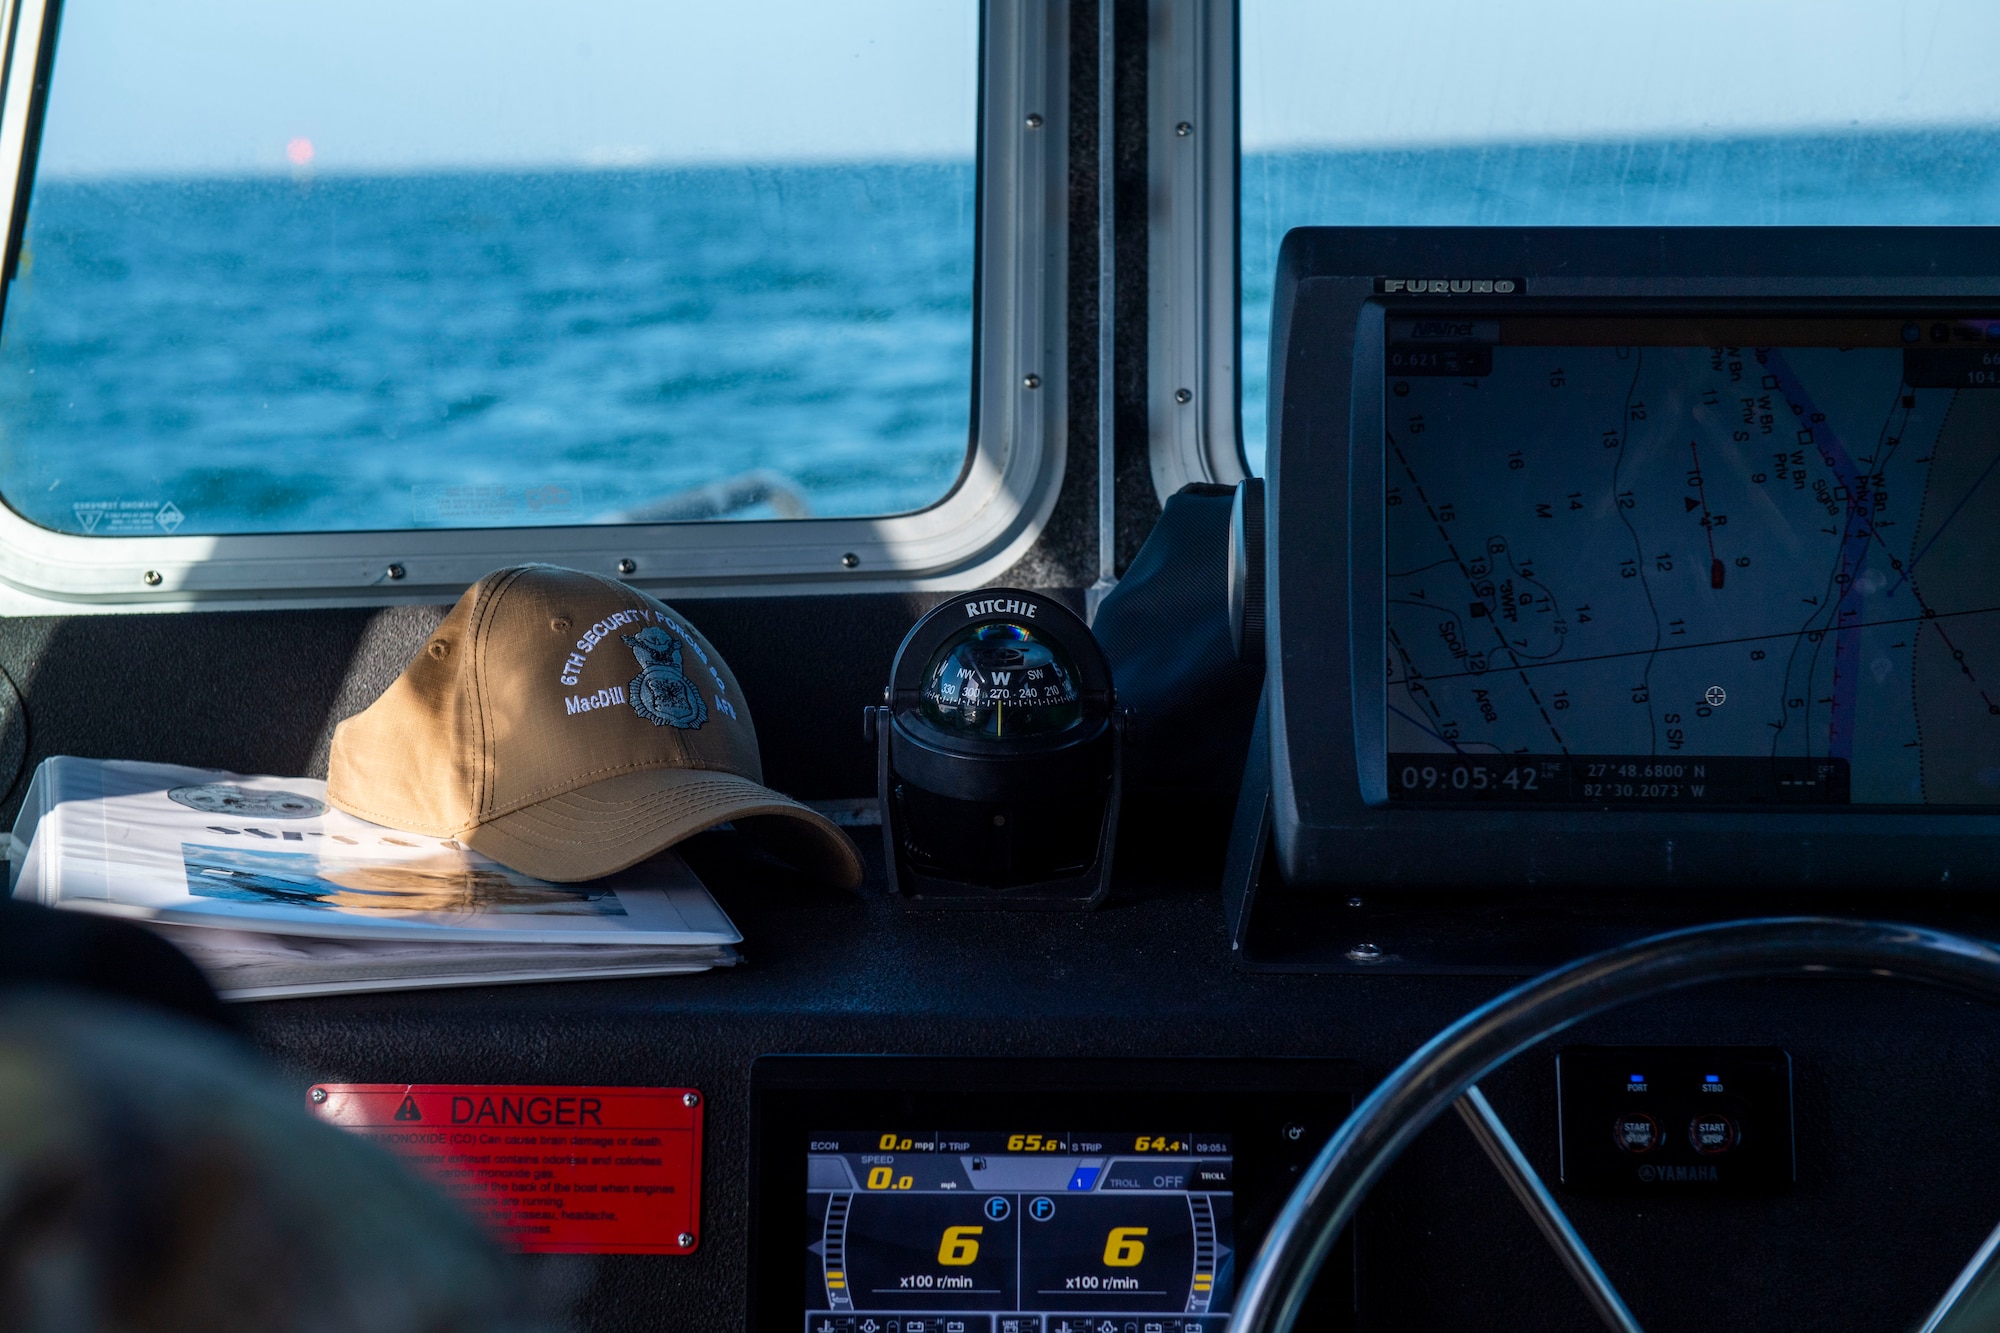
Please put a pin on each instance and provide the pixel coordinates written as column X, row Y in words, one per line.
column 526, row 166
column 1694, row 134
column 613, row 161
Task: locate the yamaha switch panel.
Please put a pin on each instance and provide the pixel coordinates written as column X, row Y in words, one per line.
column 1679, row 1119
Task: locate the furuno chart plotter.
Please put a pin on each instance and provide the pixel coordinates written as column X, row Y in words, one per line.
column 1620, row 556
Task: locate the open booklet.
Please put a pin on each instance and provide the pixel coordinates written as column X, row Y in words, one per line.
column 273, row 892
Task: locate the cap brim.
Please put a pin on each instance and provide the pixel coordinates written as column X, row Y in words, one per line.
column 619, row 822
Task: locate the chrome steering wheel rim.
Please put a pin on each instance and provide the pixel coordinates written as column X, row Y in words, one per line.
column 1450, row 1064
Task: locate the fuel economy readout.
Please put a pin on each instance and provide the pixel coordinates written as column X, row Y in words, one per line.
column 1030, row 1231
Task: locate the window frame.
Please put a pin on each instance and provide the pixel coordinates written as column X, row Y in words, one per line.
column 1003, row 496
column 1193, row 298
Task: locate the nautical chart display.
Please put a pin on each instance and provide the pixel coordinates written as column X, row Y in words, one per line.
column 1693, row 561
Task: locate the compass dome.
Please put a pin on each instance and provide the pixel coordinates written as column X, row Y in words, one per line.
column 1001, row 680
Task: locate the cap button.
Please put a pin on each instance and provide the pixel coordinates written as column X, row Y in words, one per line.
column 439, row 649
column 560, row 624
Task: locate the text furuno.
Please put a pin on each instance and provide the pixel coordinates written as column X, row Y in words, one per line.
column 1451, row 286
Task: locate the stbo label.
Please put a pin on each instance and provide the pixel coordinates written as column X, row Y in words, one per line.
column 552, row 1170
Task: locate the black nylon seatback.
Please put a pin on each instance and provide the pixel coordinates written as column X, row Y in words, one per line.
column 40, row 946
column 1165, row 628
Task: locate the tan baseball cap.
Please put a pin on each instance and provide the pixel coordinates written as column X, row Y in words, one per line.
column 569, row 726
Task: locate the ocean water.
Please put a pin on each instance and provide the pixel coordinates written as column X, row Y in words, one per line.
column 488, row 349
column 1927, row 177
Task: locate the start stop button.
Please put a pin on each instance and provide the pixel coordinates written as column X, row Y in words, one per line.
column 1712, row 1134
column 1686, row 1120
column 1636, row 1132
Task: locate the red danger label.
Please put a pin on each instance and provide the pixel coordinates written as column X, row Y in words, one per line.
column 553, row 1170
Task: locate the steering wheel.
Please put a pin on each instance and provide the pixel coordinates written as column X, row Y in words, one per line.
column 1446, row 1071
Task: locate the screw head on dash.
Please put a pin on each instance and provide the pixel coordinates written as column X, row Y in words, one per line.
column 690, row 1099
column 394, row 572
column 319, row 1094
column 1183, row 130
column 1183, row 396
column 1034, row 121
column 152, row 578
column 628, row 566
column 687, row 1240
column 1031, row 381
column 850, row 560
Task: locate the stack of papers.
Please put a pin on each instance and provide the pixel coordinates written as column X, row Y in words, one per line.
column 273, row 892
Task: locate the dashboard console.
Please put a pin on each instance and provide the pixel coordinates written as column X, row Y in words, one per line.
column 906, row 1195
column 1658, row 558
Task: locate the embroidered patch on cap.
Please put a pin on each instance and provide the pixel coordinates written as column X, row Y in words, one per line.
column 660, row 693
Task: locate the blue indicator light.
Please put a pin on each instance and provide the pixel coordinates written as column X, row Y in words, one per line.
column 1638, row 1078
column 1085, row 1177
column 1711, row 1078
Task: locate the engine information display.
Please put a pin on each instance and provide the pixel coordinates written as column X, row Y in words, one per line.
column 1693, row 561
column 1044, row 1231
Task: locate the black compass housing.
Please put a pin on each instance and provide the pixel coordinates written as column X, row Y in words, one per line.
column 998, row 756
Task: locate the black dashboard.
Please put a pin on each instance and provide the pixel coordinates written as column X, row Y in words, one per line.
column 1136, row 1003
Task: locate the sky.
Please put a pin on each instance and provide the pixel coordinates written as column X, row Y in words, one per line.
column 225, row 86
column 1365, row 73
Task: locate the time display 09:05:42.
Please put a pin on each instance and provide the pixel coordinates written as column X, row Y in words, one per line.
column 1588, row 779
column 1471, row 776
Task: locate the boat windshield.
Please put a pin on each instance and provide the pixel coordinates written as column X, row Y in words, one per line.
column 402, row 263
